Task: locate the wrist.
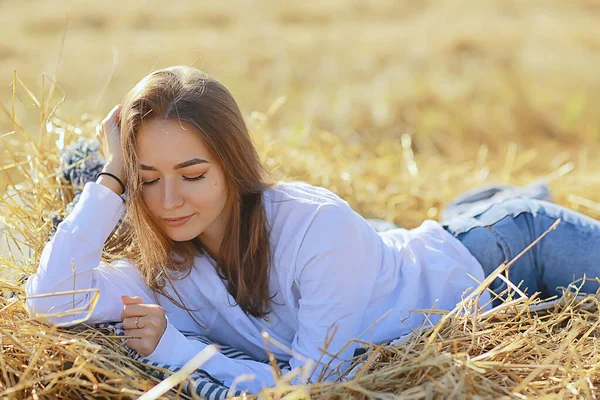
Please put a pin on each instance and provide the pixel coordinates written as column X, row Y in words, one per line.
column 111, row 181
column 115, row 168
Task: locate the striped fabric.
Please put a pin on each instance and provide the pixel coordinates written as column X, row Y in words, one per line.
column 203, row 384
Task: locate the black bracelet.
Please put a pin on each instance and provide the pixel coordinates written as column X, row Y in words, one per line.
column 115, row 177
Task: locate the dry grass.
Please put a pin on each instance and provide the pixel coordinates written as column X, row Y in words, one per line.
column 500, row 355
column 507, row 352
column 397, row 106
column 503, row 90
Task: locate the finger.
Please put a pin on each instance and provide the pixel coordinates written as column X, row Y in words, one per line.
column 118, row 117
column 131, row 300
column 114, row 114
column 135, row 344
column 134, row 310
column 129, row 322
column 139, row 345
column 136, row 333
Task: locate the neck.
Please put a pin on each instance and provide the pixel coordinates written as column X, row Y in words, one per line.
column 212, row 238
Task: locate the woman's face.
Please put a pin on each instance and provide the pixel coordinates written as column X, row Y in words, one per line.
column 184, row 187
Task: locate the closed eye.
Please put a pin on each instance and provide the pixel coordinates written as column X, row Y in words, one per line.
column 194, row 178
column 185, row 178
column 149, row 182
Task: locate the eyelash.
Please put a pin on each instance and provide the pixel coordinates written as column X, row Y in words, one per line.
column 194, row 179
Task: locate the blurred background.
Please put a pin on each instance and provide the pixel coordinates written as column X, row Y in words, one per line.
column 396, row 105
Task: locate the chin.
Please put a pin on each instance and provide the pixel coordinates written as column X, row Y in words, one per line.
column 182, row 236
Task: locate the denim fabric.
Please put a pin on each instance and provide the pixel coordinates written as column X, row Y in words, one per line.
column 482, row 197
column 80, row 163
column 501, row 231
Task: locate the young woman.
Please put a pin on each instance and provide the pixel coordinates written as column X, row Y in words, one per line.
column 220, row 249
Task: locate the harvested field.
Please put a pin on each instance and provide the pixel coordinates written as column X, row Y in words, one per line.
column 395, row 106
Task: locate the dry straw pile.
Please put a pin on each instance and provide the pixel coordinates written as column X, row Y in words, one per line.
column 512, row 351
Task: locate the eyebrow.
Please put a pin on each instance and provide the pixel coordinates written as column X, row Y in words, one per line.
column 184, row 164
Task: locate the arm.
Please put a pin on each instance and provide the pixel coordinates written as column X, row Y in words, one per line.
column 79, row 240
column 80, row 237
column 336, row 275
column 175, row 349
column 335, row 284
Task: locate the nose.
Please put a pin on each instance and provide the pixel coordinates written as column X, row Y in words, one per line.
column 172, row 198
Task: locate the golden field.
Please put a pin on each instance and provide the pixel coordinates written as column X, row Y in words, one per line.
column 502, row 91
column 397, row 106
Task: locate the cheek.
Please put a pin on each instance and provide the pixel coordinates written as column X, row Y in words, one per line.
column 218, row 191
column 208, row 198
column 151, row 199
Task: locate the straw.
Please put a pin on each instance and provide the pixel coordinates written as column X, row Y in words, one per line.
column 522, row 348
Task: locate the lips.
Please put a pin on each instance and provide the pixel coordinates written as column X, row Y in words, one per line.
column 177, row 221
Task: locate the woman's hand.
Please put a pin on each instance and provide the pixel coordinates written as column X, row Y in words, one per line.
column 152, row 324
column 108, row 134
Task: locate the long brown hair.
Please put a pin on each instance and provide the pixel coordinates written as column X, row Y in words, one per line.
column 244, row 260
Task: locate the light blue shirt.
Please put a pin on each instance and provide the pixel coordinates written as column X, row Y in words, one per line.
column 331, row 269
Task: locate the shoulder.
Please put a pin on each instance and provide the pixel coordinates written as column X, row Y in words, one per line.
column 314, row 228
column 311, row 216
column 292, row 207
column 296, row 211
column 301, row 192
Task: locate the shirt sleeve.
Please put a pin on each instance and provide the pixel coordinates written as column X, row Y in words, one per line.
column 335, row 274
column 176, row 349
column 78, row 244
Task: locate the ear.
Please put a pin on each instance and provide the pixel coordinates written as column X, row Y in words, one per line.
column 131, row 300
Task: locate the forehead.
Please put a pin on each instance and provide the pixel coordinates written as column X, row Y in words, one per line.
column 169, row 140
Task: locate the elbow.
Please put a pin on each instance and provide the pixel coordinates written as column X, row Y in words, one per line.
column 36, row 306
column 45, row 309
column 33, row 305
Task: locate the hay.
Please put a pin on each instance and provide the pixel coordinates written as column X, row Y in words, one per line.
column 504, row 354
column 511, row 352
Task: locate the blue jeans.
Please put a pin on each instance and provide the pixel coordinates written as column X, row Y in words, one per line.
column 503, row 230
